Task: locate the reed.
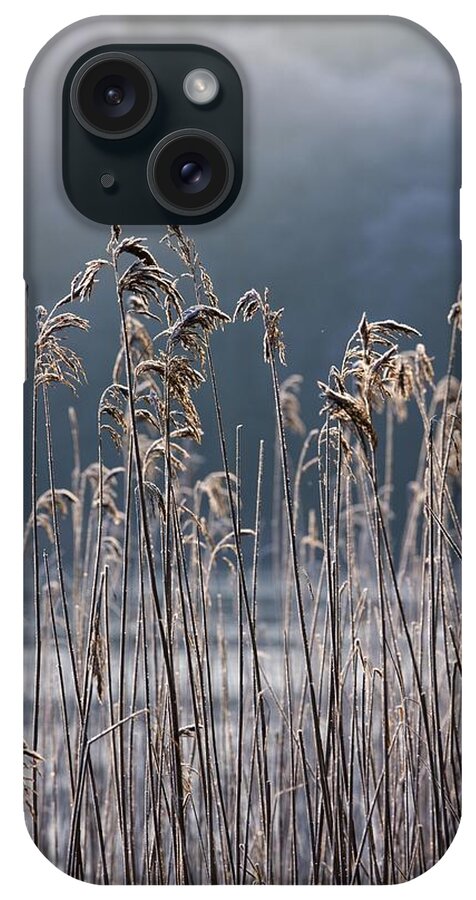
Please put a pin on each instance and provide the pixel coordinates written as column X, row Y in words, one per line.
column 177, row 737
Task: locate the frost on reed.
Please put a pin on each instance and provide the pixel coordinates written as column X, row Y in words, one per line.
column 195, row 717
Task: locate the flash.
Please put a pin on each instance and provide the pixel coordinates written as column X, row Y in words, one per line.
column 201, row 86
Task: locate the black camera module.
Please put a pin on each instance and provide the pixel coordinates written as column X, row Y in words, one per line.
column 113, row 95
column 190, row 172
column 140, row 146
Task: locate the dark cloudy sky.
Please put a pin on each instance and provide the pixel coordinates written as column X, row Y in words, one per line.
column 349, row 202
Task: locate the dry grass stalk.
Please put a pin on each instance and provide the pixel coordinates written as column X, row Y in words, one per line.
column 179, row 736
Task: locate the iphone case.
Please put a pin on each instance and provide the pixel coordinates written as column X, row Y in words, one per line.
column 242, row 479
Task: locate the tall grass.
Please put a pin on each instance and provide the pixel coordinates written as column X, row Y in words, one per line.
column 202, row 715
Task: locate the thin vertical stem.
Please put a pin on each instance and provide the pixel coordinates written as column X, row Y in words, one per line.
column 37, row 611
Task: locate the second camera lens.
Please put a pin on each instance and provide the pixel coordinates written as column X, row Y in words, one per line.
column 190, row 172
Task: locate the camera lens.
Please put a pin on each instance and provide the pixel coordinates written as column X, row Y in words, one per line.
column 190, row 172
column 113, row 95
